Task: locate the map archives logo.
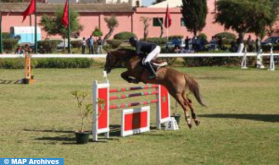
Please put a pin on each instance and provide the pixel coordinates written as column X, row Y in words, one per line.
column 41, row 161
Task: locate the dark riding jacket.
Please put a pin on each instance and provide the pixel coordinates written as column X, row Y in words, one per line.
column 143, row 48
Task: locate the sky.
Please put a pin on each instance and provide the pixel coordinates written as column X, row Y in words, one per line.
column 147, row 2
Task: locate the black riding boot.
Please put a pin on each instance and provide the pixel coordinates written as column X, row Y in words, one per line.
column 151, row 70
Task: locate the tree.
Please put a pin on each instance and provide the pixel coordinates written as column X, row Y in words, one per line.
column 112, row 23
column 162, row 27
column 146, row 24
column 53, row 25
column 194, row 13
column 245, row 16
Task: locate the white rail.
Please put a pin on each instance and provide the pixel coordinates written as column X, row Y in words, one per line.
column 243, row 55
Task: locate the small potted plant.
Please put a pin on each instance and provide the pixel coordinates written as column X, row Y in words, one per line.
column 175, row 114
column 84, row 110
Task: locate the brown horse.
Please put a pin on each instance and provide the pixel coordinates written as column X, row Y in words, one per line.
column 176, row 82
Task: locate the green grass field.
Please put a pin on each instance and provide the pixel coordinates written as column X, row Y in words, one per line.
column 239, row 126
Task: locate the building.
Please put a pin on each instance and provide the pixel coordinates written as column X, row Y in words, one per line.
column 92, row 15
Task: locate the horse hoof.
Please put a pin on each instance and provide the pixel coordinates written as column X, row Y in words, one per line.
column 189, row 125
column 197, row 122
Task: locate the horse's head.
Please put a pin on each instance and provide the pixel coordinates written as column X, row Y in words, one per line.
column 115, row 58
column 110, row 62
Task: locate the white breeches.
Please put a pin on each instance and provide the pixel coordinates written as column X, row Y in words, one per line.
column 152, row 54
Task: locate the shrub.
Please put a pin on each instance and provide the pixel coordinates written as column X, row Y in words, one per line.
column 9, row 45
column 49, row 45
column 12, row 63
column 47, row 63
column 97, row 32
column 202, row 36
column 211, row 61
column 226, row 35
column 124, row 36
column 175, row 36
column 114, row 43
column 76, row 43
column 64, row 63
column 6, row 35
column 157, row 40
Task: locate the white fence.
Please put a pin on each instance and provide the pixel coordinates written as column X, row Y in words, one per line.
column 243, row 55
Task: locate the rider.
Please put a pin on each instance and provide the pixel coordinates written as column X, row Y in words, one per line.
column 149, row 48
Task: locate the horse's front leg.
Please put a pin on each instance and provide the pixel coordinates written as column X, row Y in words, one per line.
column 126, row 76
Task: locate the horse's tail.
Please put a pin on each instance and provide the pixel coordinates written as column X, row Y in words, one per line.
column 194, row 88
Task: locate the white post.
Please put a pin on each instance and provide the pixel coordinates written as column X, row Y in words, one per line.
column 272, row 64
column 260, row 60
column 243, row 63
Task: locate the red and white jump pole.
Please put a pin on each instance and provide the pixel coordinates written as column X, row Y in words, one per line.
column 101, row 104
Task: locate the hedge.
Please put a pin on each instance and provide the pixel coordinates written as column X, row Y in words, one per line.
column 124, row 36
column 9, row 45
column 6, row 35
column 48, row 45
column 114, row 43
column 76, row 44
column 226, row 35
column 48, row 63
column 157, row 40
column 211, row 61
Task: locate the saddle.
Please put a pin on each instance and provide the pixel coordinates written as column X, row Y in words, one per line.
column 155, row 63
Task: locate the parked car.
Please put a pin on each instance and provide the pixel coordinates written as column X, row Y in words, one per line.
column 61, row 45
column 171, row 44
column 271, row 40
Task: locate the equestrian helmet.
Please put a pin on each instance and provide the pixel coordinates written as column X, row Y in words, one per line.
column 133, row 40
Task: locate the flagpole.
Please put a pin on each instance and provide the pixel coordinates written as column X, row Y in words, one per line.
column 69, row 29
column 167, row 29
column 1, row 44
column 36, row 46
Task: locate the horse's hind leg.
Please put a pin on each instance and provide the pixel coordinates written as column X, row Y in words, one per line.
column 188, row 102
column 194, row 116
column 180, row 100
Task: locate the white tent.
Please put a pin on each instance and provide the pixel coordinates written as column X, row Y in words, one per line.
column 172, row 3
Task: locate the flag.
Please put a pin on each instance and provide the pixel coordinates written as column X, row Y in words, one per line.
column 65, row 17
column 30, row 10
column 167, row 18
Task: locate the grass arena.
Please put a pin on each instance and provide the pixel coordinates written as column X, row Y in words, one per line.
column 239, row 126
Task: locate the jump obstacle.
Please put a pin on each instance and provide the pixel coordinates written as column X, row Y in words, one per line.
column 28, row 79
column 102, row 98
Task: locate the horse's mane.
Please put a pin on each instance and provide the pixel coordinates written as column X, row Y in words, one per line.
column 124, row 54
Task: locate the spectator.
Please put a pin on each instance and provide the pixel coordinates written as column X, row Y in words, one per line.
column 83, row 45
column 187, row 43
column 176, row 42
column 233, row 47
column 19, row 50
column 213, row 45
column 240, row 43
column 194, row 43
column 258, row 44
column 220, row 43
column 90, row 42
column 250, row 44
column 27, row 48
column 99, row 46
